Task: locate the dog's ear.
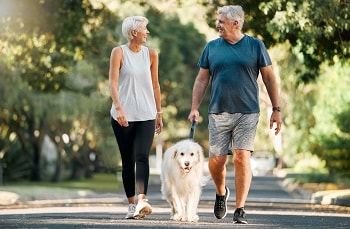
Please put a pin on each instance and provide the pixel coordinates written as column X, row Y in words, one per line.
column 199, row 154
column 175, row 153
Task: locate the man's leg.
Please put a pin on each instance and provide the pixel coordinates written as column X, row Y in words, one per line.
column 220, row 135
column 217, row 168
column 243, row 139
column 243, row 176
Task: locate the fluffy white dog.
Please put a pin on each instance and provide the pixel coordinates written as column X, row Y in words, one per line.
column 181, row 177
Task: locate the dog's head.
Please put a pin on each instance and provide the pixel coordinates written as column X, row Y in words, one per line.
column 187, row 154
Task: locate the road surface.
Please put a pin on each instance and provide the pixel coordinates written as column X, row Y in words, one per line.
column 269, row 205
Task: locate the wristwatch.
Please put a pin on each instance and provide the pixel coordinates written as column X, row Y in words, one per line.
column 276, row 109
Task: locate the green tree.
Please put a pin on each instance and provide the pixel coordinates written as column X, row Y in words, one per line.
column 180, row 47
column 42, row 41
column 15, row 164
column 330, row 137
column 335, row 151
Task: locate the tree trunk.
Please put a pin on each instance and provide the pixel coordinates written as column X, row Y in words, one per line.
column 56, row 177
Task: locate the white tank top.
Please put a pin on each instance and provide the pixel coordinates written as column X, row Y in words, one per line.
column 135, row 86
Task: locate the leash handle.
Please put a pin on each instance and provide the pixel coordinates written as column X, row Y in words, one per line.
column 193, row 129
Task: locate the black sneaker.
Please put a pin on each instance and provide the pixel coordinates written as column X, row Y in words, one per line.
column 239, row 216
column 220, row 208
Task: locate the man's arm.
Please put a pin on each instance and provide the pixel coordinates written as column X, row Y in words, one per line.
column 199, row 88
column 271, row 85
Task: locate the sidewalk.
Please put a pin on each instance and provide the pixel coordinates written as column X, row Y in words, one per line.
column 44, row 196
column 269, row 205
column 17, row 197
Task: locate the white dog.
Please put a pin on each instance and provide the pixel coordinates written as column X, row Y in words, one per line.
column 181, row 177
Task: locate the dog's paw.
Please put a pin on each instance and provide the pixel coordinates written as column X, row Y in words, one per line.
column 193, row 218
column 177, row 217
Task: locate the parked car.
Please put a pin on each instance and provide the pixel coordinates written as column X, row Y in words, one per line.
column 262, row 163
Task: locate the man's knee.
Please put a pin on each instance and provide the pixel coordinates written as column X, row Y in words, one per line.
column 217, row 161
column 241, row 157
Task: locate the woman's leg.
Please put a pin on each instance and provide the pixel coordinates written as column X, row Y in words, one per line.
column 125, row 140
column 142, row 145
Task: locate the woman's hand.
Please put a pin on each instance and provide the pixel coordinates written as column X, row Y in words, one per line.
column 121, row 118
column 159, row 124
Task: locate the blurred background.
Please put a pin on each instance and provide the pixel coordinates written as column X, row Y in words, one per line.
column 54, row 92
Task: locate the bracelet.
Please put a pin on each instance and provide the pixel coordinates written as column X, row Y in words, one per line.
column 159, row 112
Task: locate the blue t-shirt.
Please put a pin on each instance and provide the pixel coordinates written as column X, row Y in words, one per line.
column 234, row 69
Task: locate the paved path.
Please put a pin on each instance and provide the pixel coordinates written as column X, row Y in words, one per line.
column 270, row 205
column 113, row 217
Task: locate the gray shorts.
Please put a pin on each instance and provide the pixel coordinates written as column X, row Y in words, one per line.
column 231, row 131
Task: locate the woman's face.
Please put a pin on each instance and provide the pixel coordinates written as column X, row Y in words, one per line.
column 141, row 33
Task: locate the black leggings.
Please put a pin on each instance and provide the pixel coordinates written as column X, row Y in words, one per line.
column 135, row 142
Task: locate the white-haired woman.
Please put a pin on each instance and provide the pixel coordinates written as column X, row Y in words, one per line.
column 136, row 110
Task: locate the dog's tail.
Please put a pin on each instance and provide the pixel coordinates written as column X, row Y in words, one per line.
column 205, row 180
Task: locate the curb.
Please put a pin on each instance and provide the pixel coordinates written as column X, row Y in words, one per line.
column 334, row 197
column 8, row 198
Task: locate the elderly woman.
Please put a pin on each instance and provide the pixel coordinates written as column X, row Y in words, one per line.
column 136, row 110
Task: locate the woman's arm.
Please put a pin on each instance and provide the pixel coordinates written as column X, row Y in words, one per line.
column 156, row 88
column 115, row 65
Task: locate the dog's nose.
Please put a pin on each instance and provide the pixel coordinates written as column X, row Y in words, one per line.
column 187, row 163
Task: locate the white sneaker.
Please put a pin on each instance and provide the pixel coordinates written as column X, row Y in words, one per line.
column 143, row 208
column 131, row 211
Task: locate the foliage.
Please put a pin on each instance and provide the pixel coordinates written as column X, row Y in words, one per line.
column 177, row 73
column 343, row 121
column 101, row 182
column 298, row 101
column 335, row 148
column 318, row 33
column 330, row 137
column 50, row 47
column 54, row 74
column 71, row 104
column 48, row 100
column 13, row 104
column 312, row 177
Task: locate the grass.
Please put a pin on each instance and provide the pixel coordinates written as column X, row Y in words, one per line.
column 99, row 182
column 319, row 181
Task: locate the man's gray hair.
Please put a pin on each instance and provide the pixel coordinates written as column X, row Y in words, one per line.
column 132, row 23
column 233, row 12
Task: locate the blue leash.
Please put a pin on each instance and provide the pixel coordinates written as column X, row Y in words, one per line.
column 193, row 129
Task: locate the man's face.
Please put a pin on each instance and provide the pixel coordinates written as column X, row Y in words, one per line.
column 224, row 26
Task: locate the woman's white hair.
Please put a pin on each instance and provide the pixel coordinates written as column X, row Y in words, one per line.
column 233, row 12
column 132, row 23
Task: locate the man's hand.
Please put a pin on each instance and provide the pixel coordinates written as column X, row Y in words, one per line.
column 276, row 118
column 194, row 115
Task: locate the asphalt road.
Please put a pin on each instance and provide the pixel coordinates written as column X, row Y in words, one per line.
column 269, row 205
